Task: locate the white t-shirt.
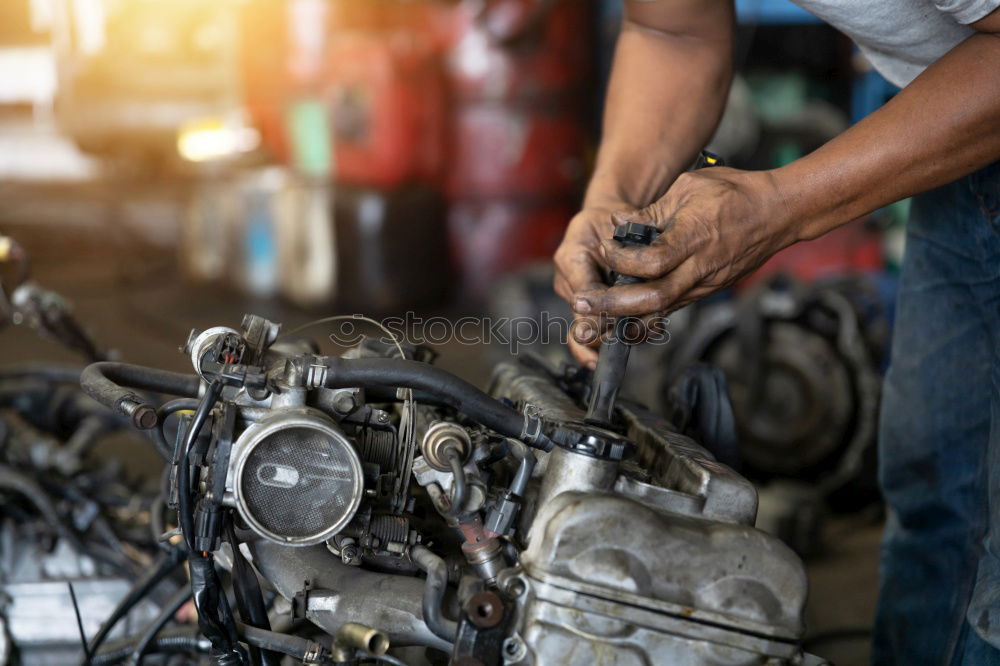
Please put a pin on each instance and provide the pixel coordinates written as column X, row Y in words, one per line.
column 901, row 38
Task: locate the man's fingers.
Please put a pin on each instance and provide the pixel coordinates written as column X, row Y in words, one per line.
column 639, row 299
column 583, row 354
column 579, row 268
column 587, row 330
column 562, row 288
column 652, row 215
column 645, row 262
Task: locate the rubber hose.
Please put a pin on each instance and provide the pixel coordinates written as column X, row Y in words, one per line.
column 179, row 598
column 149, row 579
column 163, row 412
column 249, row 598
column 437, row 583
column 447, row 388
column 378, row 394
column 114, row 384
column 179, row 643
column 293, row 646
column 527, row 465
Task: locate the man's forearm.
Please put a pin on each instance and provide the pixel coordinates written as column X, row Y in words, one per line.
column 665, row 98
column 942, row 126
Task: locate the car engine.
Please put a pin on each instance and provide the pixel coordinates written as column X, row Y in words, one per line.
column 406, row 516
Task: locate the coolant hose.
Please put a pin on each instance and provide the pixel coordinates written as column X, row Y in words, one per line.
column 114, row 384
column 446, row 388
column 437, row 582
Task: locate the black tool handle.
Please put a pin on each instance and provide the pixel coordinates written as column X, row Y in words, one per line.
column 613, row 359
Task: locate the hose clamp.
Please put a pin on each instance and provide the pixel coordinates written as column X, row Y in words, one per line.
column 531, row 431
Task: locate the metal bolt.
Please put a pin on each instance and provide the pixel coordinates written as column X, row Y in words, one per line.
column 516, row 587
column 383, row 417
column 344, row 402
column 514, row 649
column 350, row 554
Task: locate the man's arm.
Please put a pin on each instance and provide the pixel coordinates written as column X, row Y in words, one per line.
column 668, row 87
column 944, row 125
column 719, row 224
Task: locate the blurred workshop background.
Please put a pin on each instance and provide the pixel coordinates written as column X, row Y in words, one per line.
column 169, row 164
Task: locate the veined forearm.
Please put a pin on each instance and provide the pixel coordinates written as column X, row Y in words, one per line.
column 942, row 126
column 665, row 98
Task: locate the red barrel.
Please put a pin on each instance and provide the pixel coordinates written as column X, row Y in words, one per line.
column 516, row 150
column 386, row 95
column 519, row 72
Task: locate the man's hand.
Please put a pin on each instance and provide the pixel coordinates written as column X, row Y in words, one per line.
column 717, row 225
column 580, row 267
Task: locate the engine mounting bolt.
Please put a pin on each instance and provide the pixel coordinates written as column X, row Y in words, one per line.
column 383, row 417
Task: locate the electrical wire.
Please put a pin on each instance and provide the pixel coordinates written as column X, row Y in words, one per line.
column 180, row 597
column 119, row 651
column 249, row 598
column 185, row 510
column 11, row 479
column 361, row 318
column 387, row 659
column 149, row 579
column 79, row 622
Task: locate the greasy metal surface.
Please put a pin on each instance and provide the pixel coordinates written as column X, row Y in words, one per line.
column 652, row 561
column 572, row 471
column 677, row 463
column 727, row 575
column 339, row 593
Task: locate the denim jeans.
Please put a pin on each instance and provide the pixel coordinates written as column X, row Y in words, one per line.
column 939, row 467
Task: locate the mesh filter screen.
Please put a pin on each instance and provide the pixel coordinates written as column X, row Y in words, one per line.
column 298, row 482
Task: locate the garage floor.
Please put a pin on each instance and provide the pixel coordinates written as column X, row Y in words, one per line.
column 132, row 301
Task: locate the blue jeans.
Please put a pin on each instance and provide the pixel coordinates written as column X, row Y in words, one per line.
column 939, row 595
